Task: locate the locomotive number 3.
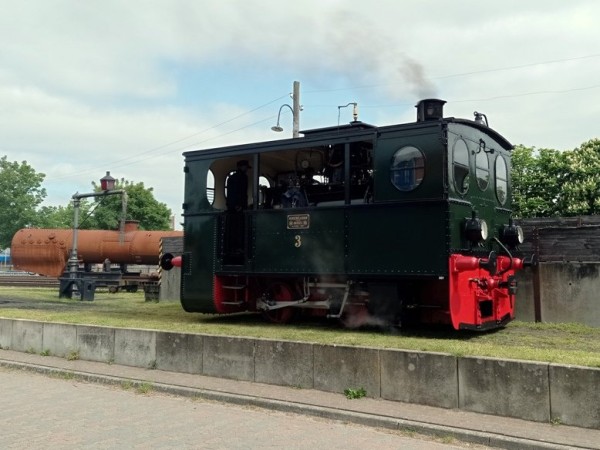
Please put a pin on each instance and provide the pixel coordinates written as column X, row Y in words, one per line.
column 297, row 241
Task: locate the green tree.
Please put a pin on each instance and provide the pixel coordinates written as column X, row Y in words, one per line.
column 581, row 188
column 141, row 206
column 21, row 193
column 63, row 216
column 54, row 217
column 537, row 180
column 552, row 183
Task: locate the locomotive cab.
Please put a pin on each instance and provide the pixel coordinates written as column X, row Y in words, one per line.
column 408, row 221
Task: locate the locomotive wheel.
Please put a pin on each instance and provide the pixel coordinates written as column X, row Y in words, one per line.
column 280, row 291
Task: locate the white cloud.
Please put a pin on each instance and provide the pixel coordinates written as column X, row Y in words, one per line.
column 92, row 86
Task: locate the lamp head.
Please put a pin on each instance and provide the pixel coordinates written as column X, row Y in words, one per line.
column 107, row 183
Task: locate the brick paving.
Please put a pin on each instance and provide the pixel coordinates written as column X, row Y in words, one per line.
column 40, row 411
column 376, row 414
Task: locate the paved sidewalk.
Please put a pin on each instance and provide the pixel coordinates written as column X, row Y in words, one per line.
column 483, row 429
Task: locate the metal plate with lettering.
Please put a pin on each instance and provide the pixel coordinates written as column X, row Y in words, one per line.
column 298, row 221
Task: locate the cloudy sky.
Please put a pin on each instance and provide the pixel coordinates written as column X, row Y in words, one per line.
column 128, row 86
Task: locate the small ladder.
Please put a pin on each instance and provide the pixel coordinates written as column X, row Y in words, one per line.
column 237, row 290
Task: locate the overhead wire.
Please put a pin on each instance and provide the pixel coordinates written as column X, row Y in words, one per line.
column 134, row 159
column 116, row 163
column 463, row 74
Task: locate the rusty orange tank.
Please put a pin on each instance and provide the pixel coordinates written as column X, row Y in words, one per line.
column 46, row 251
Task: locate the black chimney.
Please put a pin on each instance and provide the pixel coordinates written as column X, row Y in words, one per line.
column 430, row 109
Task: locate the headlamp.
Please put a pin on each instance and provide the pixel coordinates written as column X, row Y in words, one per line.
column 476, row 230
column 511, row 234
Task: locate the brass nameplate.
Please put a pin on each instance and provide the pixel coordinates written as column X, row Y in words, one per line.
column 298, row 221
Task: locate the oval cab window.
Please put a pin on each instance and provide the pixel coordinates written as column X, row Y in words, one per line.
column 501, row 179
column 482, row 170
column 460, row 166
column 408, row 168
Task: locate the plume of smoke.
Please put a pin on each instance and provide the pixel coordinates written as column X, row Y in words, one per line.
column 365, row 54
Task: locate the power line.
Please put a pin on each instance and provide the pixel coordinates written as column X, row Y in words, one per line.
column 271, row 118
column 522, row 66
column 525, row 94
column 497, row 97
column 463, row 74
column 160, row 147
column 134, row 159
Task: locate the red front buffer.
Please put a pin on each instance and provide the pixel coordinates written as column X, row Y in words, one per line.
column 480, row 297
column 168, row 261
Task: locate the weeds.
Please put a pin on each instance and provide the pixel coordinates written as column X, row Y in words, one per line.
column 144, row 388
column 140, row 387
column 126, row 384
column 72, row 355
column 447, row 439
column 62, row 375
column 353, row 394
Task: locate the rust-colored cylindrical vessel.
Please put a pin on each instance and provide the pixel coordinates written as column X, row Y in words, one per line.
column 46, row 251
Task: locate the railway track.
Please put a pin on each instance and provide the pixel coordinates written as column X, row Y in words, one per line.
column 27, row 280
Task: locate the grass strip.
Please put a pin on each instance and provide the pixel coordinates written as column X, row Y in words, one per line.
column 564, row 343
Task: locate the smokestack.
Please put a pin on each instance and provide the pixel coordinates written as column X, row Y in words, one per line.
column 430, row 109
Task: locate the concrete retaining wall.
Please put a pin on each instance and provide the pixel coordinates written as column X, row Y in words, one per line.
column 424, row 378
column 505, row 388
column 527, row 390
column 568, row 292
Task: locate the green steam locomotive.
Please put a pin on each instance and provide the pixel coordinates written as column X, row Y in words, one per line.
column 407, row 222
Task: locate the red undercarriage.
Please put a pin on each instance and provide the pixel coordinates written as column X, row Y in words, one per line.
column 477, row 295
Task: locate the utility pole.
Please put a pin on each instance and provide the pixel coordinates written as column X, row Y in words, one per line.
column 296, row 109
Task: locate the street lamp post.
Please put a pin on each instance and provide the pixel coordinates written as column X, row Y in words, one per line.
column 296, row 108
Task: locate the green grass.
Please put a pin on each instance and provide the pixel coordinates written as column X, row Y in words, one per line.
column 559, row 343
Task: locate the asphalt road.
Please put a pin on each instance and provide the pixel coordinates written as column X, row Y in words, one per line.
column 39, row 411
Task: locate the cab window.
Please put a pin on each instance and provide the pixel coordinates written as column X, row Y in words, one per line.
column 482, row 170
column 408, row 168
column 501, row 179
column 460, row 166
column 210, row 187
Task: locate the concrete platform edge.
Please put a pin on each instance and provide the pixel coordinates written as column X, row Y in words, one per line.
column 372, row 420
